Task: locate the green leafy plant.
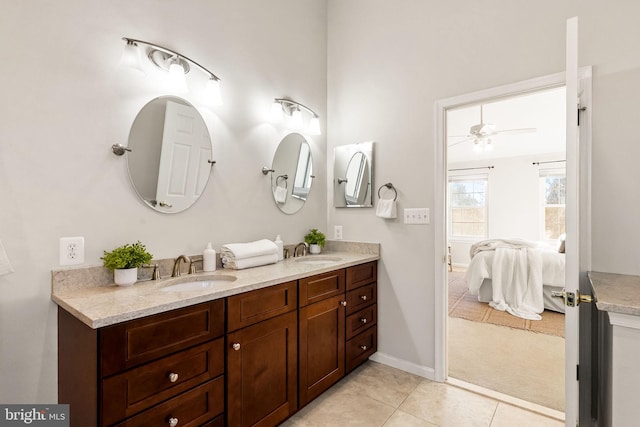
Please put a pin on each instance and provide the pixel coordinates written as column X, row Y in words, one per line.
column 315, row 237
column 127, row 256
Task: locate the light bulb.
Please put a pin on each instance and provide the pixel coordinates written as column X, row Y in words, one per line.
column 314, row 126
column 131, row 57
column 212, row 92
column 296, row 119
column 176, row 80
column 276, row 111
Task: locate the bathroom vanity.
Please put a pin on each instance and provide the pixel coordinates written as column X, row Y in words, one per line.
column 252, row 351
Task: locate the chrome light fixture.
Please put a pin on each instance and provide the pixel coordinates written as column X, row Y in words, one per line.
column 174, row 63
column 294, row 110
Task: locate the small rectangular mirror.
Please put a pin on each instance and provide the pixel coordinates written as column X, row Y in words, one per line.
column 352, row 175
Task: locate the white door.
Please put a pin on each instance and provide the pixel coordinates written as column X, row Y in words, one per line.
column 184, row 167
column 578, row 256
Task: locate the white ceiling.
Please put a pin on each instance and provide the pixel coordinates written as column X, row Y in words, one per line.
column 544, row 111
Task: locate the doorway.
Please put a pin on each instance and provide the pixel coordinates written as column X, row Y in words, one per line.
column 472, row 174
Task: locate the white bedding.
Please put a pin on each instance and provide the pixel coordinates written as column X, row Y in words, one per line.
column 519, row 270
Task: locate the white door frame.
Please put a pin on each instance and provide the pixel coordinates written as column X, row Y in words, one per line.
column 440, row 214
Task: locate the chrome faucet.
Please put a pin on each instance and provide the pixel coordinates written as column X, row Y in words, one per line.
column 304, row 249
column 176, row 265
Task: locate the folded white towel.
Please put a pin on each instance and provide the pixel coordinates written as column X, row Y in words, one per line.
column 280, row 194
column 5, row 265
column 247, row 250
column 255, row 261
column 386, row 208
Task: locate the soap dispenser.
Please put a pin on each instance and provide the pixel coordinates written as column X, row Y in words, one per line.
column 280, row 246
column 209, row 258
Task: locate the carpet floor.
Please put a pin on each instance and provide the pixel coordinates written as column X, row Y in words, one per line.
column 507, row 358
column 463, row 305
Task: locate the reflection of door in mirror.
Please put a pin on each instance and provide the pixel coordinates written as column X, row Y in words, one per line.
column 356, row 187
column 186, row 149
column 352, row 175
column 302, row 183
column 293, row 173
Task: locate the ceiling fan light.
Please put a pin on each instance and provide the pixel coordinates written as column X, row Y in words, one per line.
column 477, row 147
column 488, row 146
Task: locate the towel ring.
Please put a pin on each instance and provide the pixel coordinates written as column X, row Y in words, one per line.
column 390, row 187
column 282, row 177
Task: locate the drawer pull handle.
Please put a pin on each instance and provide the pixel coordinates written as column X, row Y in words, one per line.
column 363, row 297
column 173, row 422
column 236, row 346
column 363, row 320
column 343, row 303
column 363, row 347
column 173, row 377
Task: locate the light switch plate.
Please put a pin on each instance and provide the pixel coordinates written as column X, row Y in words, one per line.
column 417, row 216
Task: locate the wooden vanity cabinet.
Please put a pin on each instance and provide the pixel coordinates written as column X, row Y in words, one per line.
column 362, row 317
column 155, row 370
column 262, row 356
column 322, row 333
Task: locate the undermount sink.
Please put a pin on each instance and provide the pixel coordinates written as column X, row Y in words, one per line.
column 314, row 259
column 196, row 285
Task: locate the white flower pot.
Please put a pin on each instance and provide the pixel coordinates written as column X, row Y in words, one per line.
column 315, row 249
column 125, row 276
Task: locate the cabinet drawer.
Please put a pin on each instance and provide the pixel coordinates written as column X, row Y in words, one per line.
column 360, row 275
column 361, row 347
column 190, row 409
column 361, row 297
column 140, row 388
column 361, row 320
column 321, row 286
column 262, row 304
column 132, row 343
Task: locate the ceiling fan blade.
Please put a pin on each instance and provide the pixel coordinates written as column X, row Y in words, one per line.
column 515, row 131
column 460, row 142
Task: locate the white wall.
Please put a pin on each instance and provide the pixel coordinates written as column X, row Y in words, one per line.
column 513, row 200
column 66, row 102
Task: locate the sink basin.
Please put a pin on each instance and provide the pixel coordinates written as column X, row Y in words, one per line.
column 315, row 260
column 197, row 285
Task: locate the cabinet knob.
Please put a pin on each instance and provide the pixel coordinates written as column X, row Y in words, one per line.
column 363, row 297
column 343, row 303
column 173, row 377
column 173, row 422
column 363, row 320
column 236, row 346
column 363, row 347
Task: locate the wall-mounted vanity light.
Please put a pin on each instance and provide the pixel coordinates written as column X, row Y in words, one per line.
column 175, row 64
column 294, row 110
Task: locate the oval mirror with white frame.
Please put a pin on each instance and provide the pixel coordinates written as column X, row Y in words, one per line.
column 352, row 172
column 171, row 154
column 292, row 173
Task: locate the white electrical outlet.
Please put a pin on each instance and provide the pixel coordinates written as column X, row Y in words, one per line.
column 71, row 250
column 337, row 232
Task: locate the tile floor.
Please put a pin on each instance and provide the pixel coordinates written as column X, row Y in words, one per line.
column 378, row 395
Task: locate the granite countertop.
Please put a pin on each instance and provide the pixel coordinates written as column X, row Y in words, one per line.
column 616, row 293
column 99, row 306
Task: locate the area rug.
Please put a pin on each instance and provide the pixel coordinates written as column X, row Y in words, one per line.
column 463, row 305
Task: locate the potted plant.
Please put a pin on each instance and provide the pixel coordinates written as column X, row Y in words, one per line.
column 315, row 239
column 125, row 260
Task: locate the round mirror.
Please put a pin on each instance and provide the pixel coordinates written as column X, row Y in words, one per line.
column 170, row 159
column 292, row 173
column 357, row 187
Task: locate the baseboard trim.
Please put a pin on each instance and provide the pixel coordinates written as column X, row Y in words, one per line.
column 403, row 365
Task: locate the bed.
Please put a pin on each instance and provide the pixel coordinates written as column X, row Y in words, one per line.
column 517, row 276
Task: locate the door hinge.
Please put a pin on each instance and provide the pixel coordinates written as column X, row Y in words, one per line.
column 577, row 372
column 580, row 109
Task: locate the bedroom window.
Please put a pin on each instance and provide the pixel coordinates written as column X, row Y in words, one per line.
column 467, row 206
column 553, row 184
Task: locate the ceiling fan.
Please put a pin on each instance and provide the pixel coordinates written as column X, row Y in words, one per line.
column 481, row 134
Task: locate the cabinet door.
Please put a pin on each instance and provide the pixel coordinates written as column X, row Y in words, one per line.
column 321, row 347
column 262, row 372
column 321, row 286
